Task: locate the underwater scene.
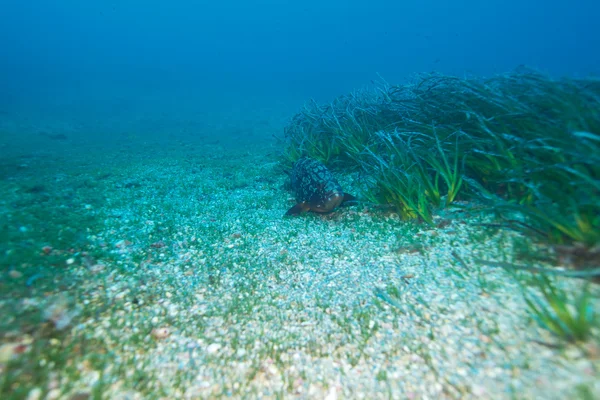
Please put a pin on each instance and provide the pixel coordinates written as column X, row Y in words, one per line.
column 299, row 200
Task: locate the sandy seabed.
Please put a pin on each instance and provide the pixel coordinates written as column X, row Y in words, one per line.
column 184, row 281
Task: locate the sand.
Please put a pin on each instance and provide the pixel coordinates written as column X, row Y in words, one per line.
column 189, row 283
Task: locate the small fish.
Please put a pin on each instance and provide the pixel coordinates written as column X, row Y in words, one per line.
column 315, row 188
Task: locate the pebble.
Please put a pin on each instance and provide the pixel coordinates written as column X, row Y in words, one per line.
column 7, row 352
column 53, row 394
column 331, row 394
column 34, row 394
column 97, row 268
column 213, row 348
column 160, row 333
column 15, row 274
column 80, row 396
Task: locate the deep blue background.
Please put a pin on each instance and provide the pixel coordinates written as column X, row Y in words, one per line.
column 123, row 58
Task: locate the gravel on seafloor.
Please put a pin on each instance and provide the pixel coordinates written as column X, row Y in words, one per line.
column 194, row 286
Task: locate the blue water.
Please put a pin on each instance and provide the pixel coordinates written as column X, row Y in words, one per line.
column 106, row 198
column 123, row 65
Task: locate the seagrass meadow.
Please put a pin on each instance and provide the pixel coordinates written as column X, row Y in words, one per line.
column 520, row 143
column 165, row 269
